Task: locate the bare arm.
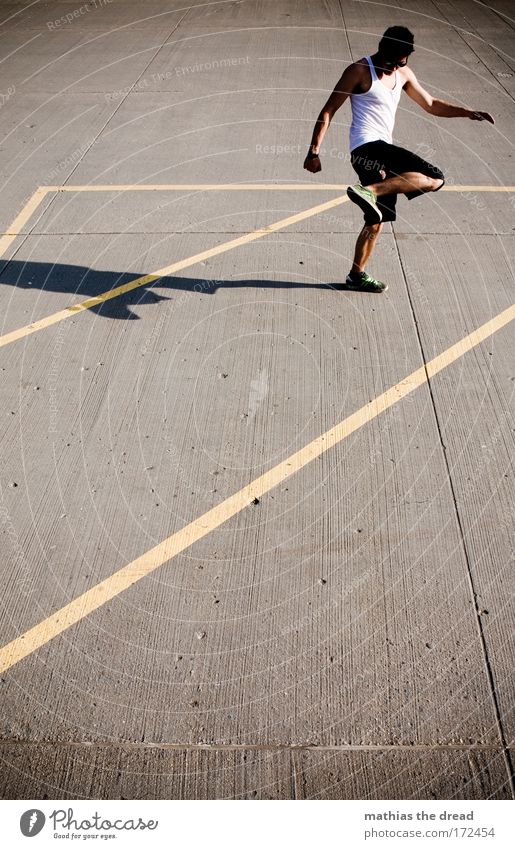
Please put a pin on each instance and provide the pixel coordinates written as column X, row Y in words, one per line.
column 343, row 89
column 435, row 106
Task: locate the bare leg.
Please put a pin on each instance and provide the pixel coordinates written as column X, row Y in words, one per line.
column 410, row 181
column 365, row 245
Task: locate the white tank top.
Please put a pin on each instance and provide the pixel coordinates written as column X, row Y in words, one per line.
column 373, row 113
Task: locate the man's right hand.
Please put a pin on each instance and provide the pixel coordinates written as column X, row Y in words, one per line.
column 313, row 164
column 482, row 116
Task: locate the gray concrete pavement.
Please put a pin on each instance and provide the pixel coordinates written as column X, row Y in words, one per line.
column 349, row 636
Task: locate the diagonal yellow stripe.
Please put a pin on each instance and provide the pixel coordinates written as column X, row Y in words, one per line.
column 22, row 218
column 56, row 317
column 133, row 572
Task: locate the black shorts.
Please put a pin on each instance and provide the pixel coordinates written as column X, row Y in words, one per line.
column 368, row 160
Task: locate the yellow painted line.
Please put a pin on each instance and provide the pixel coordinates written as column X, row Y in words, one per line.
column 245, row 187
column 204, row 187
column 133, row 572
column 21, row 219
column 478, row 189
column 61, row 315
column 39, row 194
column 56, row 317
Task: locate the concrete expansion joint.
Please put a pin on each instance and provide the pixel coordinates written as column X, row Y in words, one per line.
column 259, row 747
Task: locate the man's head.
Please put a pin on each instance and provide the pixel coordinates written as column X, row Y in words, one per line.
column 395, row 47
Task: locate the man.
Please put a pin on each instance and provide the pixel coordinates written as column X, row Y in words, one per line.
column 374, row 85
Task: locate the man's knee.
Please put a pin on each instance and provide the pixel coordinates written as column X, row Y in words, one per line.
column 427, row 184
column 437, row 179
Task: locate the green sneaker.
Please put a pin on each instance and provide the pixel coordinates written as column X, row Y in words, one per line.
column 366, row 199
column 365, row 283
